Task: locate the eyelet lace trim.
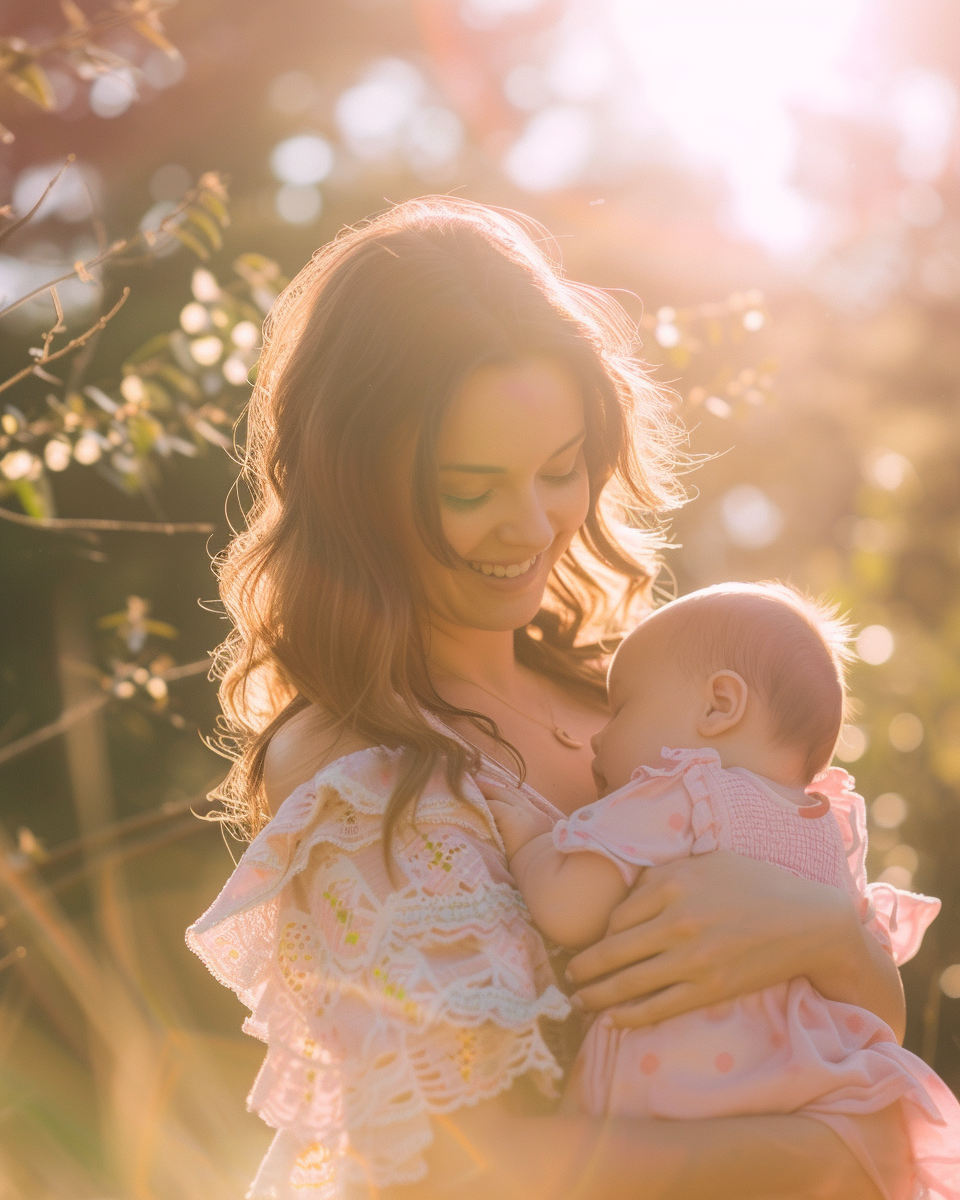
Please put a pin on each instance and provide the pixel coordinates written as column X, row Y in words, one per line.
column 381, row 1000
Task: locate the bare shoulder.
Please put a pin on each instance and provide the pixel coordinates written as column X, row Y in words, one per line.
column 299, row 749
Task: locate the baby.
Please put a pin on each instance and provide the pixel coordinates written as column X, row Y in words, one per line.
column 726, row 707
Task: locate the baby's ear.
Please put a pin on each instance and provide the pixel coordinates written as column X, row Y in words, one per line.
column 725, row 701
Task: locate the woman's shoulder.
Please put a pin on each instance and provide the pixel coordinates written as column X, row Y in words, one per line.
column 300, row 748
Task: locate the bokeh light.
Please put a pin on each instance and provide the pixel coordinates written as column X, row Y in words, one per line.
column 372, row 115
column 897, row 876
column 889, row 810
column 298, row 203
column 163, row 70
column 852, row 744
column 722, row 78
column 553, row 150
column 905, row 732
column 950, row 982
column 204, row 286
column 887, row 469
column 206, row 350
column 487, row 14
column 194, row 318
column 112, row 92
column 875, row 644
column 72, row 198
column 304, row 159
column 750, row 518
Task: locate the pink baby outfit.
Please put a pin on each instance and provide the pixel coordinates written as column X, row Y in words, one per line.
column 787, row 1048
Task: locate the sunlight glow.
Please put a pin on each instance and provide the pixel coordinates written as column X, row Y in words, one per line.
column 721, row 78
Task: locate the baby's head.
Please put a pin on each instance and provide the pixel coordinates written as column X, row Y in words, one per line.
column 755, row 671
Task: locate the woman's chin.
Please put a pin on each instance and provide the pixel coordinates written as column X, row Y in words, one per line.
column 499, row 614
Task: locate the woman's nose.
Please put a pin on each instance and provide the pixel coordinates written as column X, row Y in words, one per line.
column 528, row 525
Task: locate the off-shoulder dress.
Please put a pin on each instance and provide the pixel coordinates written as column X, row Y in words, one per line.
column 384, row 998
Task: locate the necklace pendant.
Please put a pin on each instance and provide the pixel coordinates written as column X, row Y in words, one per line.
column 565, row 739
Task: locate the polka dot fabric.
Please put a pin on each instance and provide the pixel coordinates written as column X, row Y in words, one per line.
column 785, row 1049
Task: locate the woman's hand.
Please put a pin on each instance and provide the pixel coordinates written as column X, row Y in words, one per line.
column 488, row 1152
column 702, row 930
column 517, row 819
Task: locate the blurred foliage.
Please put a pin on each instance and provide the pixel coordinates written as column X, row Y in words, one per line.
column 22, row 61
column 820, row 396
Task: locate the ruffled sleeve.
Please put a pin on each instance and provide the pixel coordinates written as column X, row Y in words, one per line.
column 662, row 814
column 383, row 998
column 897, row 918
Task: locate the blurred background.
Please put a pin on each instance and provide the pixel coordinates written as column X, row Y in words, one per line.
column 772, row 190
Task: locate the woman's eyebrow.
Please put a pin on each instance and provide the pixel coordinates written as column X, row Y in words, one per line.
column 481, row 469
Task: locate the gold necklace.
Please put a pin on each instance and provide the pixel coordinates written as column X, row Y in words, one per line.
column 561, row 735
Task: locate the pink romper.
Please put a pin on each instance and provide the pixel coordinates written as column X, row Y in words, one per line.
column 787, row 1048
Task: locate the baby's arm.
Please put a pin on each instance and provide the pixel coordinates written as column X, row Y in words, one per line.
column 570, row 896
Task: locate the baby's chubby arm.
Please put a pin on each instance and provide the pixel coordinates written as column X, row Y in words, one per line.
column 570, row 896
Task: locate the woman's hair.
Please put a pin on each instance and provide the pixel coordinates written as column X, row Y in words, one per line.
column 791, row 649
column 362, row 353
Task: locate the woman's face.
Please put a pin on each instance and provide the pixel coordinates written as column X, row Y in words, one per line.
column 513, row 490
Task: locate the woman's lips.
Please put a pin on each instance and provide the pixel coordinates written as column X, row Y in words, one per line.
column 504, row 570
column 507, row 577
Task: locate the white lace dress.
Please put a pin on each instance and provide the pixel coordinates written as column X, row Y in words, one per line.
column 382, row 1000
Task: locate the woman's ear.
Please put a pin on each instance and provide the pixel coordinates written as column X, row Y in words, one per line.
column 725, row 702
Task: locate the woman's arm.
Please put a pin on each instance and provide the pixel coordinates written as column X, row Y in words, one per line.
column 706, row 929
column 299, row 749
column 488, row 1154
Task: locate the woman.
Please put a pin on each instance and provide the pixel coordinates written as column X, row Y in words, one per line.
column 441, row 437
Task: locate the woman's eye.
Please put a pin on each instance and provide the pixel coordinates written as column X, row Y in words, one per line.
column 463, row 503
column 560, row 479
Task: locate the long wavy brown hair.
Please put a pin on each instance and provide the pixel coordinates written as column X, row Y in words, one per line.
column 362, row 353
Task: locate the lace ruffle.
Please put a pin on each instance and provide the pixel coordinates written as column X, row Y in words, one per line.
column 381, row 999
column 897, row 918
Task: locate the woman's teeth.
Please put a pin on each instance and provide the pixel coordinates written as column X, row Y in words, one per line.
column 501, row 571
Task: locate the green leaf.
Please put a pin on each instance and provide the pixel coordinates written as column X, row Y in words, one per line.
column 159, row 397
column 215, row 206
column 29, row 80
column 180, row 380
column 207, row 225
column 152, row 34
column 192, row 243
column 30, row 498
column 143, row 433
column 149, row 349
column 256, row 268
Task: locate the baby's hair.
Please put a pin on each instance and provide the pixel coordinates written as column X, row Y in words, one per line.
column 791, row 649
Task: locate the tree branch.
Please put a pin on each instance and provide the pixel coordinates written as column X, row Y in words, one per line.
column 96, row 525
column 11, row 229
column 29, row 740
column 71, row 345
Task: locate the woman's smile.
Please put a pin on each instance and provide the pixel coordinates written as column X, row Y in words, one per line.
column 501, row 570
column 509, row 576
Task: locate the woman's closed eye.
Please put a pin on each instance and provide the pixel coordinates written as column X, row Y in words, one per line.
column 464, row 503
column 569, row 477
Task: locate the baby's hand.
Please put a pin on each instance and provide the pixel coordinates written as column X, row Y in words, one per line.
column 517, row 819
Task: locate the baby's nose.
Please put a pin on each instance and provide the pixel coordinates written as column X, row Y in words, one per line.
column 595, row 743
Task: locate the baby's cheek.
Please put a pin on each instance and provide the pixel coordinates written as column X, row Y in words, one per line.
column 617, row 759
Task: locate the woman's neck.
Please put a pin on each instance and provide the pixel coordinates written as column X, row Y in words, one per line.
column 480, row 656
